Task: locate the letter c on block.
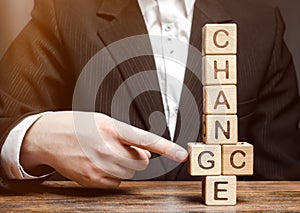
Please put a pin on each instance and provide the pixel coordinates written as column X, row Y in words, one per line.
column 216, row 39
column 232, row 159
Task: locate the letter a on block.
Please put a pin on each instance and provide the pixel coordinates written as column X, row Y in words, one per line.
column 219, row 39
column 220, row 100
column 220, row 129
column 237, row 159
column 204, row 159
column 219, row 190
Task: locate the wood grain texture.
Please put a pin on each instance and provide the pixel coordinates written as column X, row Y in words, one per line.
column 219, row 39
column 219, row 190
column 152, row 197
column 204, row 159
column 220, row 100
column 220, row 129
column 219, row 70
column 237, row 159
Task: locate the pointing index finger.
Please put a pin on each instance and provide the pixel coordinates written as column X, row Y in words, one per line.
column 133, row 136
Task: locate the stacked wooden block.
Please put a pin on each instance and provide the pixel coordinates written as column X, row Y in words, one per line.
column 220, row 158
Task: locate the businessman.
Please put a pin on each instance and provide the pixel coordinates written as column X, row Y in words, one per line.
column 45, row 128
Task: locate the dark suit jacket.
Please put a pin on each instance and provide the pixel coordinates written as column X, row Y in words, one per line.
column 39, row 73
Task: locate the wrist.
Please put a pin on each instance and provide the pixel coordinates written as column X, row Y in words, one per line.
column 33, row 158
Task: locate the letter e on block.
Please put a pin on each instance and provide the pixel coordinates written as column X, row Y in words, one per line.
column 219, row 39
column 220, row 100
column 237, row 159
column 220, row 129
column 204, row 159
column 219, row 190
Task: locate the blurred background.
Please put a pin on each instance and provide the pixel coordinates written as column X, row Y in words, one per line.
column 14, row 14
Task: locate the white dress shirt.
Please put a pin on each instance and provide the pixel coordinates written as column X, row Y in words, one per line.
column 170, row 20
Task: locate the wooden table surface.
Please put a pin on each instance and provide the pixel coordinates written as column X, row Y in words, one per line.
column 151, row 197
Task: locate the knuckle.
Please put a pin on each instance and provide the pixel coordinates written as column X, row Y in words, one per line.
column 103, row 122
column 94, row 169
column 113, row 184
column 93, row 180
column 92, row 175
column 109, row 129
column 106, row 125
column 104, row 152
column 129, row 175
column 103, row 183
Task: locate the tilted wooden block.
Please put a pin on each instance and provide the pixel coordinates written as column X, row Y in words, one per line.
column 220, row 100
column 237, row 159
column 219, row 190
column 219, row 70
column 219, row 39
column 220, row 129
column 204, row 159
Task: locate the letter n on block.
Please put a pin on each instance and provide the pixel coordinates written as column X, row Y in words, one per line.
column 204, row 159
column 220, row 100
column 220, row 129
column 219, row 190
column 237, row 159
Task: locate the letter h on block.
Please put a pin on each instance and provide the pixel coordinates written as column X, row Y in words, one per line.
column 220, row 123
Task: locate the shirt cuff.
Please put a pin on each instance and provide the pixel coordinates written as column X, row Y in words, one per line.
column 10, row 153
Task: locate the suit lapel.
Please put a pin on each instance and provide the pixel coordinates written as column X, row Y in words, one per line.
column 189, row 125
column 122, row 19
column 121, row 23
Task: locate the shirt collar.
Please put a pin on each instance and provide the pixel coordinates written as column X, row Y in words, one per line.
column 145, row 5
column 189, row 6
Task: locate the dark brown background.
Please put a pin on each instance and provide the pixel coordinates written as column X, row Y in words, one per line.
column 14, row 14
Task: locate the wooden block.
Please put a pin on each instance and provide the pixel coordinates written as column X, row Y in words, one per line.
column 220, row 100
column 204, row 159
column 219, row 190
column 237, row 159
column 220, row 129
column 219, row 70
column 219, row 39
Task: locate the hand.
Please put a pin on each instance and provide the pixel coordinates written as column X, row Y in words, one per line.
column 91, row 148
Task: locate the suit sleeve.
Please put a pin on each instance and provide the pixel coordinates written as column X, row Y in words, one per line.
column 275, row 132
column 34, row 76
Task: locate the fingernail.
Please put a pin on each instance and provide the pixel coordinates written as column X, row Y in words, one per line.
column 181, row 156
